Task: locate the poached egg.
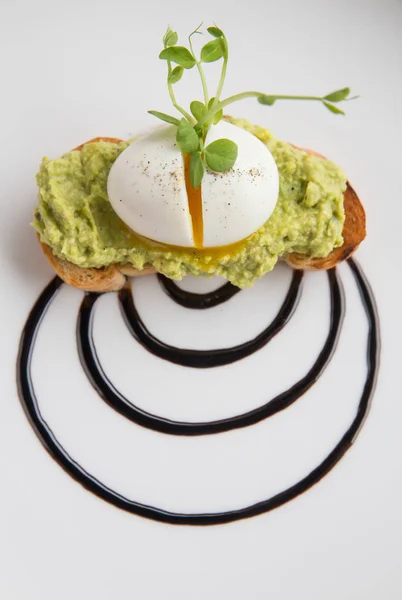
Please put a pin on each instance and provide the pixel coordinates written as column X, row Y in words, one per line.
column 149, row 188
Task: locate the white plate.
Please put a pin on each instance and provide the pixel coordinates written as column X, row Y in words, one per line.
column 79, row 70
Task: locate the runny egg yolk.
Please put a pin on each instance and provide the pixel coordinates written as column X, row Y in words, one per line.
column 194, row 198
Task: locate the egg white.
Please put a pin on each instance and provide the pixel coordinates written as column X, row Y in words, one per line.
column 147, row 189
column 237, row 203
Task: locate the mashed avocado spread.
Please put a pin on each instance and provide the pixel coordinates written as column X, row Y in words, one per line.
column 75, row 218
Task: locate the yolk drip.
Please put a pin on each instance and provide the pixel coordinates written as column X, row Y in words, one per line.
column 204, row 257
column 194, row 205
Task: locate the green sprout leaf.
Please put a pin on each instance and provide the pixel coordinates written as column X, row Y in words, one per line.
column 225, row 49
column 193, row 128
column 196, row 170
column 170, row 38
column 187, row 138
column 176, row 74
column 198, row 109
column 267, row 100
column 338, row 96
column 221, row 155
column 179, row 55
column 165, row 117
column 215, row 32
column 333, row 109
column 218, row 115
column 212, row 51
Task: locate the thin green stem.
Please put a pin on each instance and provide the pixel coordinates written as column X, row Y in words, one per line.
column 245, row 95
column 185, row 114
column 204, row 83
column 221, row 80
column 295, row 97
column 199, row 67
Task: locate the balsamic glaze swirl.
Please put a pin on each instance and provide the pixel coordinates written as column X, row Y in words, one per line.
column 205, row 358
column 90, row 362
column 198, row 301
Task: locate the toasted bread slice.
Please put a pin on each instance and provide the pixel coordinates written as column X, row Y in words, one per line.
column 100, row 139
column 113, row 278
column 107, row 279
column 354, row 232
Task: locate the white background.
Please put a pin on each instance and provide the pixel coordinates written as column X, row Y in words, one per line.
column 74, row 70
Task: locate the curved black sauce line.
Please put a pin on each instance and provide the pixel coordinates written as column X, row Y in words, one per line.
column 197, row 301
column 203, row 359
column 46, row 436
column 106, row 390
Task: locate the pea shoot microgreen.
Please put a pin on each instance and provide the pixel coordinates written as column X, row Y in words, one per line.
column 193, row 126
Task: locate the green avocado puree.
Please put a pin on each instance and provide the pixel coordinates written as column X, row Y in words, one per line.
column 75, row 218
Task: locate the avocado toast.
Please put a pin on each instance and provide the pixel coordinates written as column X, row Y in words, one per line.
column 206, row 195
column 113, row 277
